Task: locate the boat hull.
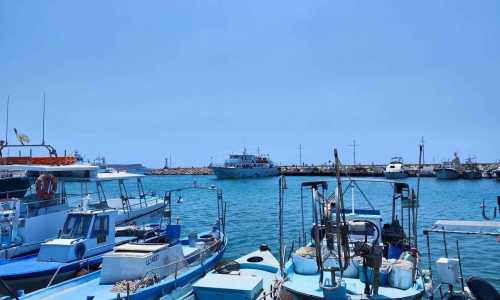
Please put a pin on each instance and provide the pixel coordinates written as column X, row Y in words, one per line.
column 447, row 174
column 472, row 175
column 395, row 175
column 226, row 173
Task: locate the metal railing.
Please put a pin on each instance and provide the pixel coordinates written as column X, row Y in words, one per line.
column 197, row 257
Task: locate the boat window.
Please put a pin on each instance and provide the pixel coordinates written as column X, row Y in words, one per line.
column 82, row 227
column 69, row 225
column 101, row 226
column 76, row 226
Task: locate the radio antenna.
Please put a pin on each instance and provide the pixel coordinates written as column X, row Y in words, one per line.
column 7, row 124
column 43, row 125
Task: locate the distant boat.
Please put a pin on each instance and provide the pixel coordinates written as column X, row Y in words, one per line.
column 447, row 170
column 395, row 169
column 245, row 166
column 471, row 170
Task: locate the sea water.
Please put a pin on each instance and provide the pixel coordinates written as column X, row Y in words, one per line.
column 253, row 213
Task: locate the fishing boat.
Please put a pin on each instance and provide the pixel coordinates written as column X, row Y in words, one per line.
column 140, row 271
column 245, row 166
column 55, row 190
column 252, row 276
column 395, row 169
column 346, row 253
column 470, row 170
column 449, row 271
column 449, row 170
column 85, row 236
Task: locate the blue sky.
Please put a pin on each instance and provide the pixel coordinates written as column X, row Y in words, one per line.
column 137, row 81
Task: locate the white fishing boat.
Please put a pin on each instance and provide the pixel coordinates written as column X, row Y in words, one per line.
column 395, row 169
column 341, row 256
column 56, row 189
column 245, row 166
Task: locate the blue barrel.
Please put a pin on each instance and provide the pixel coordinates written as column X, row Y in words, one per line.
column 395, row 250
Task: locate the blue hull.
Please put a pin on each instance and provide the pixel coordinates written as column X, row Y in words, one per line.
column 447, row 174
column 88, row 285
column 225, row 173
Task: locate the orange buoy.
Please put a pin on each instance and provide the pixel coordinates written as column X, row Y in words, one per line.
column 46, row 186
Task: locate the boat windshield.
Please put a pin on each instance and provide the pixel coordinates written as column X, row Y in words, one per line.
column 76, row 226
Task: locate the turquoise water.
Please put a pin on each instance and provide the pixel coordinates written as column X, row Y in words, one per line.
column 252, row 213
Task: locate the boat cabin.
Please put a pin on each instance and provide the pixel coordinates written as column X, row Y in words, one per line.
column 85, row 233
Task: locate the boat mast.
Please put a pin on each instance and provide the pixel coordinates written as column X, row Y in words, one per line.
column 7, row 125
column 354, row 146
column 43, row 122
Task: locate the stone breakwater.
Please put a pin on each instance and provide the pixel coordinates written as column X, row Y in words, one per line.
column 181, row 171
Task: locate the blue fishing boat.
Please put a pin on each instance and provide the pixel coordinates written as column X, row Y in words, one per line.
column 31, row 220
column 346, row 252
column 148, row 271
column 245, row 166
column 84, row 238
column 252, row 276
column 449, row 170
column 471, row 170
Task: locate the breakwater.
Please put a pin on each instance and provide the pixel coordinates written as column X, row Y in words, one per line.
column 181, row 171
column 367, row 171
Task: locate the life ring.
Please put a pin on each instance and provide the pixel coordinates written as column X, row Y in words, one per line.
column 46, row 186
column 80, row 250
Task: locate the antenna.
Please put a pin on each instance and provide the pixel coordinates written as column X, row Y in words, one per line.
column 258, row 151
column 7, row 125
column 300, row 154
column 43, row 125
column 354, row 146
column 423, row 152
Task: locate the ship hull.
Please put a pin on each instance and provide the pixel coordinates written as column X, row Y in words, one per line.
column 447, row 174
column 395, row 175
column 227, row 173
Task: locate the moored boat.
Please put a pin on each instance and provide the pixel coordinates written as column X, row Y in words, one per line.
column 470, row 170
column 254, row 275
column 85, row 236
column 348, row 253
column 37, row 217
column 140, row 271
column 447, row 170
column 245, row 166
column 395, row 169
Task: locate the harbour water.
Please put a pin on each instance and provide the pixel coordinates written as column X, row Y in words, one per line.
column 252, row 213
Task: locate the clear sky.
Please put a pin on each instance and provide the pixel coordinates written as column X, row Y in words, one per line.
column 138, row 81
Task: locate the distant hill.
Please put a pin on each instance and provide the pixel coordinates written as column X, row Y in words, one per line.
column 127, row 167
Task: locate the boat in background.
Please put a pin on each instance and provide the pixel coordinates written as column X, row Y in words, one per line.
column 245, row 166
column 395, row 169
column 449, row 170
column 470, row 170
